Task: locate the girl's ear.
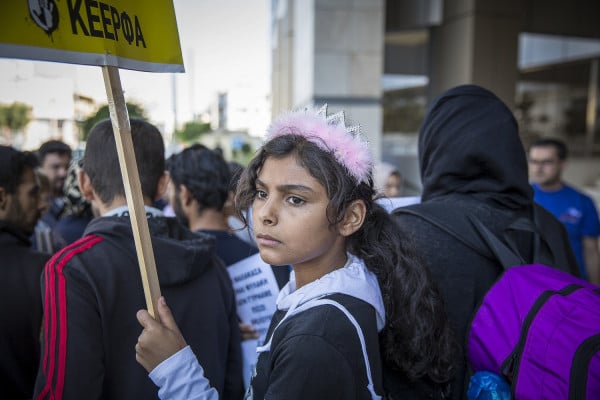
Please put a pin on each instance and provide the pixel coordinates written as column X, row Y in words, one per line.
column 353, row 218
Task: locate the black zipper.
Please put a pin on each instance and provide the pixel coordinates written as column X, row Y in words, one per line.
column 510, row 366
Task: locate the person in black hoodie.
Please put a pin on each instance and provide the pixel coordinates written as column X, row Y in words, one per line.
column 20, row 301
column 92, row 288
column 472, row 162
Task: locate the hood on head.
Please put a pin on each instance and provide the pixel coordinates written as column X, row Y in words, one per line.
column 469, row 144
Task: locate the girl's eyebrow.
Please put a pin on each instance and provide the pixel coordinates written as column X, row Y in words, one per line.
column 287, row 188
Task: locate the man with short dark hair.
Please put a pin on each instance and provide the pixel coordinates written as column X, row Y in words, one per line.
column 576, row 210
column 198, row 192
column 20, row 301
column 55, row 157
column 92, row 288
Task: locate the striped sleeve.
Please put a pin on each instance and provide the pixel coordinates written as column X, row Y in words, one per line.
column 50, row 382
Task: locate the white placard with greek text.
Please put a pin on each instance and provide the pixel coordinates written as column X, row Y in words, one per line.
column 256, row 291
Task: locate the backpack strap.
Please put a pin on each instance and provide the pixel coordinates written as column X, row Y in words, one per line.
column 505, row 254
column 488, row 245
column 439, row 216
column 531, row 225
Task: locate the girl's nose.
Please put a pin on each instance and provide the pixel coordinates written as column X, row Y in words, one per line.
column 266, row 212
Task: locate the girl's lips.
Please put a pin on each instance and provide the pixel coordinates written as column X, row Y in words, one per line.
column 266, row 240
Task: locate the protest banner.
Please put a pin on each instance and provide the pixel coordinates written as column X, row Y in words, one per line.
column 133, row 34
column 256, row 292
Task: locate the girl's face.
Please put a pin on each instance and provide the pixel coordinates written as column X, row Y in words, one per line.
column 290, row 222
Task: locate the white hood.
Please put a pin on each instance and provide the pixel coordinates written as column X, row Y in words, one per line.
column 354, row 279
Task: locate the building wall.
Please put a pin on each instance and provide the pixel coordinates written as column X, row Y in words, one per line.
column 332, row 52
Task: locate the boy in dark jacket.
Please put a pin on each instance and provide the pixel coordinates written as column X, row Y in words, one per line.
column 92, row 288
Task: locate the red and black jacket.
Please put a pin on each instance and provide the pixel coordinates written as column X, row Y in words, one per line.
column 91, row 292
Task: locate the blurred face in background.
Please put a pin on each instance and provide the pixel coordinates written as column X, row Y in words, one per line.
column 24, row 207
column 393, row 185
column 545, row 168
column 55, row 166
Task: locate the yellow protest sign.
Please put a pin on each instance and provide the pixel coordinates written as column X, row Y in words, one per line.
column 132, row 34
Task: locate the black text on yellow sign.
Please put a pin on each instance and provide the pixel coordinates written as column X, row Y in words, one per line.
column 135, row 34
column 98, row 19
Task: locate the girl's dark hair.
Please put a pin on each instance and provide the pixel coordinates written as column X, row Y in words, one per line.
column 417, row 340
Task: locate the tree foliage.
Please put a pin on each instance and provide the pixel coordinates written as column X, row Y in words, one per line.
column 15, row 116
column 192, row 131
column 133, row 109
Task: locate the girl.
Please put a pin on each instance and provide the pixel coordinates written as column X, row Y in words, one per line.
column 360, row 316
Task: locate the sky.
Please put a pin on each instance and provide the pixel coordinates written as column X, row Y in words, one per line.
column 225, row 44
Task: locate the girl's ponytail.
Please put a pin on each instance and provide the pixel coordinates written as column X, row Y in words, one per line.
column 417, row 340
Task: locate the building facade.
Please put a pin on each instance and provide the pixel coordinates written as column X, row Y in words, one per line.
column 384, row 61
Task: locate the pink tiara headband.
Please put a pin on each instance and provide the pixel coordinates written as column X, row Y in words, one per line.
column 331, row 134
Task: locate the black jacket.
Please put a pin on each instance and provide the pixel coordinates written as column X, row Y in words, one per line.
column 92, row 291
column 472, row 162
column 20, row 313
column 316, row 354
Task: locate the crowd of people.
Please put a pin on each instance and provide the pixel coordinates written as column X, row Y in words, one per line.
column 371, row 303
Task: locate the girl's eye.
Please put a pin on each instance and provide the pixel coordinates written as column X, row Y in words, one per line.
column 295, row 201
column 261, row 194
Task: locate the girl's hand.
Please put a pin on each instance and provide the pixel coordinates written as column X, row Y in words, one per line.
column 159, row 340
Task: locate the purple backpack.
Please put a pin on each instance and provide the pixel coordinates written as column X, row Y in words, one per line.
column 540, row 328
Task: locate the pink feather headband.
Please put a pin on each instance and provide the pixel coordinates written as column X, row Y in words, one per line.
column 331, row 135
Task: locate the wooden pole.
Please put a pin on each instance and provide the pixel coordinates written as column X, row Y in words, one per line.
column 133, row 191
